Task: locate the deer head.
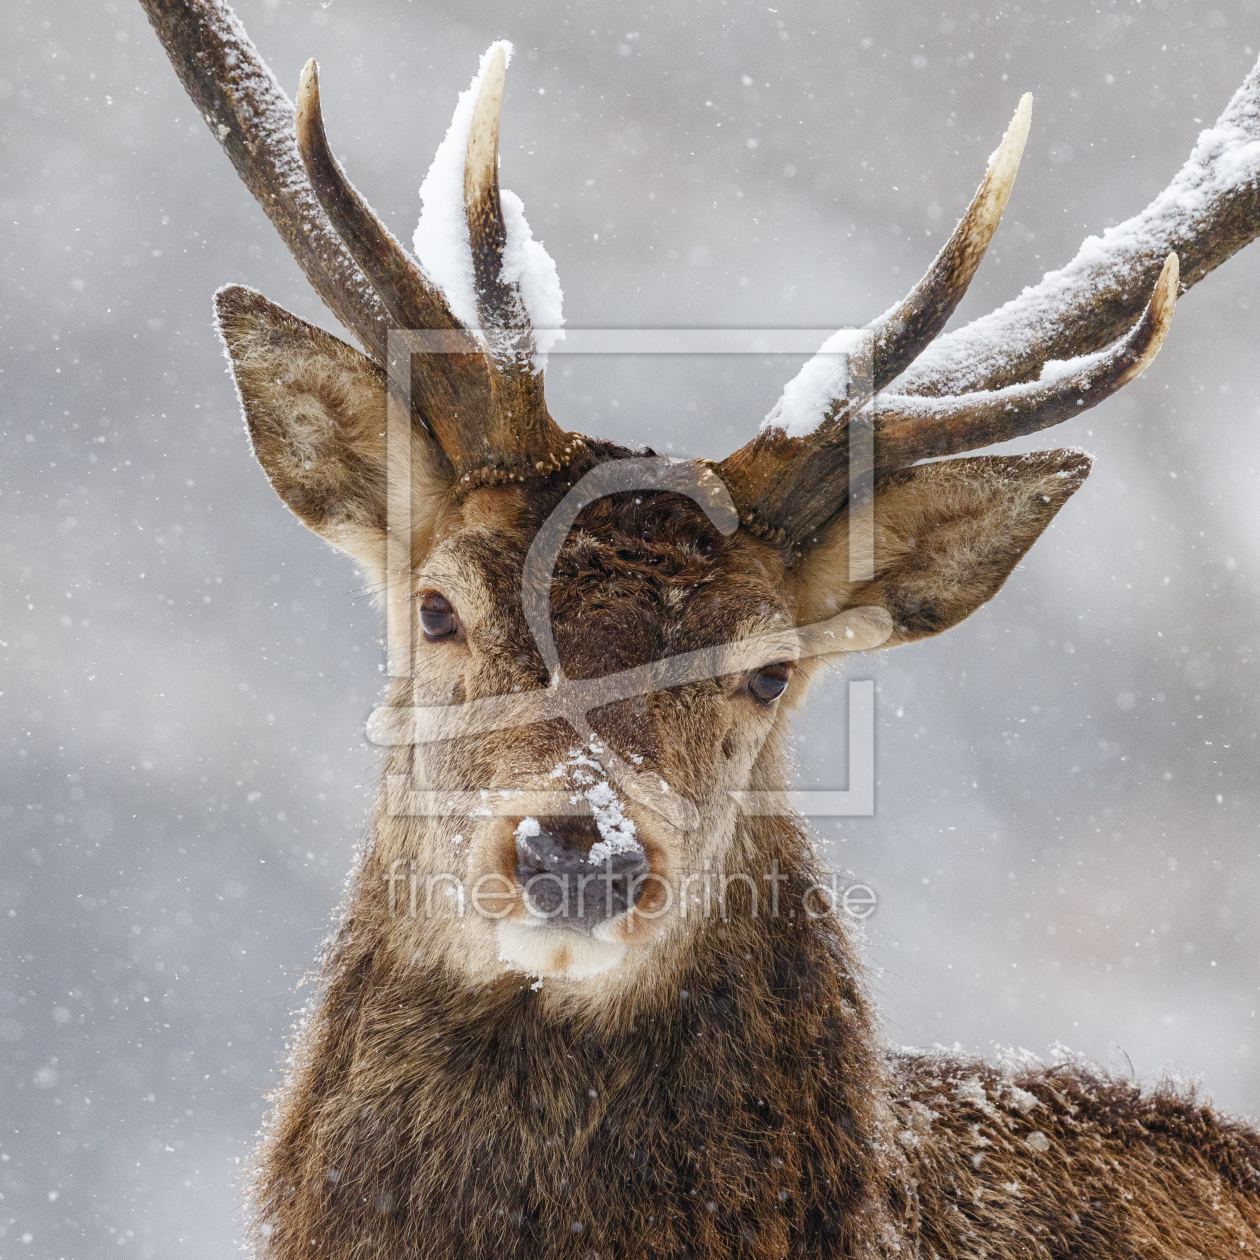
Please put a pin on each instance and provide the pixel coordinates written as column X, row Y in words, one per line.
column 605, row 645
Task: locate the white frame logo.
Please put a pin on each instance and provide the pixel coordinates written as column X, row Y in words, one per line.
column 572, row 700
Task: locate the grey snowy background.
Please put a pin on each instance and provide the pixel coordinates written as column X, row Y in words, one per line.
column 1065, row 846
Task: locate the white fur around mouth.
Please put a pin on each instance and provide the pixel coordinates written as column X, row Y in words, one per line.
column 538, row 947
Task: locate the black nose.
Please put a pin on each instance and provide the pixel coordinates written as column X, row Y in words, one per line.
column 563, row 884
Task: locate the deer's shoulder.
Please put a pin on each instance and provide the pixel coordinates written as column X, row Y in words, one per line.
column 1069, row 1159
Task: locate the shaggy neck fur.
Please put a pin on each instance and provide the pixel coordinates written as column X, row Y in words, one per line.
column 740, row 1111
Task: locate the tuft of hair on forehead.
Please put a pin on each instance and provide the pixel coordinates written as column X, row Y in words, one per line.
column 640, row 536
column 649, row 515
column 623, row 579
column 644, row 576
column 648, row 529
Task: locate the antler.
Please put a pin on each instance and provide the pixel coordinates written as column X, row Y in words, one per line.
column 523, row 422
column 901, row 334
column 252, row 119
column 410, row 297
column 793, row 477
column 482, row 397
column 486, row 410
column 499, row 304
column 478, row 390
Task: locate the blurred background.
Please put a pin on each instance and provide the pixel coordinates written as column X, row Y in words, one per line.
column 1065, row 846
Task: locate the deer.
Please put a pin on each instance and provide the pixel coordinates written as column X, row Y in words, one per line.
column 534, row 1035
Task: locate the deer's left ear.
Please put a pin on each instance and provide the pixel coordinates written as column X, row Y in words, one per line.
column 316, row 411
column 947, row 535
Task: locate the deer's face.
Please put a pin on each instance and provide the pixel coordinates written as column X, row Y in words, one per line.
column 592, row 823
column 562, row 781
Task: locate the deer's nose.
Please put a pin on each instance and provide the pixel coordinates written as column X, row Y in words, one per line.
column 573, row 879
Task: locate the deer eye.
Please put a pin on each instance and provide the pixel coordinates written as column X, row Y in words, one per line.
column 437, row 617
column 769, row 682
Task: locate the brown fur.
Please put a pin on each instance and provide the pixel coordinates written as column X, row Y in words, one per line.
column 947, row 535
column 711, row 1086
column 1068, row 1161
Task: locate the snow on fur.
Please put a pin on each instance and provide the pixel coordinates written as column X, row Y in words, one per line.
column 616, row 829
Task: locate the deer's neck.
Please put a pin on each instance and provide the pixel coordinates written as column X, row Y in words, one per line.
column 754, row 1069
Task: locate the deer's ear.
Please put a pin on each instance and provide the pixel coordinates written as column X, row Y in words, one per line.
column 947, row 535
column 316, row 411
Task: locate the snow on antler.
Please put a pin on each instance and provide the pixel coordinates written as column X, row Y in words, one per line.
column 442, row 242
column 1209, row 211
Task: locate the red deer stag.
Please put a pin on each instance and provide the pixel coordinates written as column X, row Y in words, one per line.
column 495, row 1069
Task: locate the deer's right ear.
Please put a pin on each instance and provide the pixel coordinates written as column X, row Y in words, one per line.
column 316, row 411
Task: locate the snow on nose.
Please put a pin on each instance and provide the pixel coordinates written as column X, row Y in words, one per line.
column 572, row 876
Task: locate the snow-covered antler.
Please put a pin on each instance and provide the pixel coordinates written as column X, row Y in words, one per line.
column 479, row 277
column 481, row 396
column 902, row 333
column 1207, row 213
column 479, row 392
column 499, row 306
column 977, row 386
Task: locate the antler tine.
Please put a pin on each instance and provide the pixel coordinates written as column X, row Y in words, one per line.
column 520, row 439
column 909, row 428
column 451, row 392
column 412, row 300
column 908, row 328
column 499, row 304
column 805, row 432
column 253, row 120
